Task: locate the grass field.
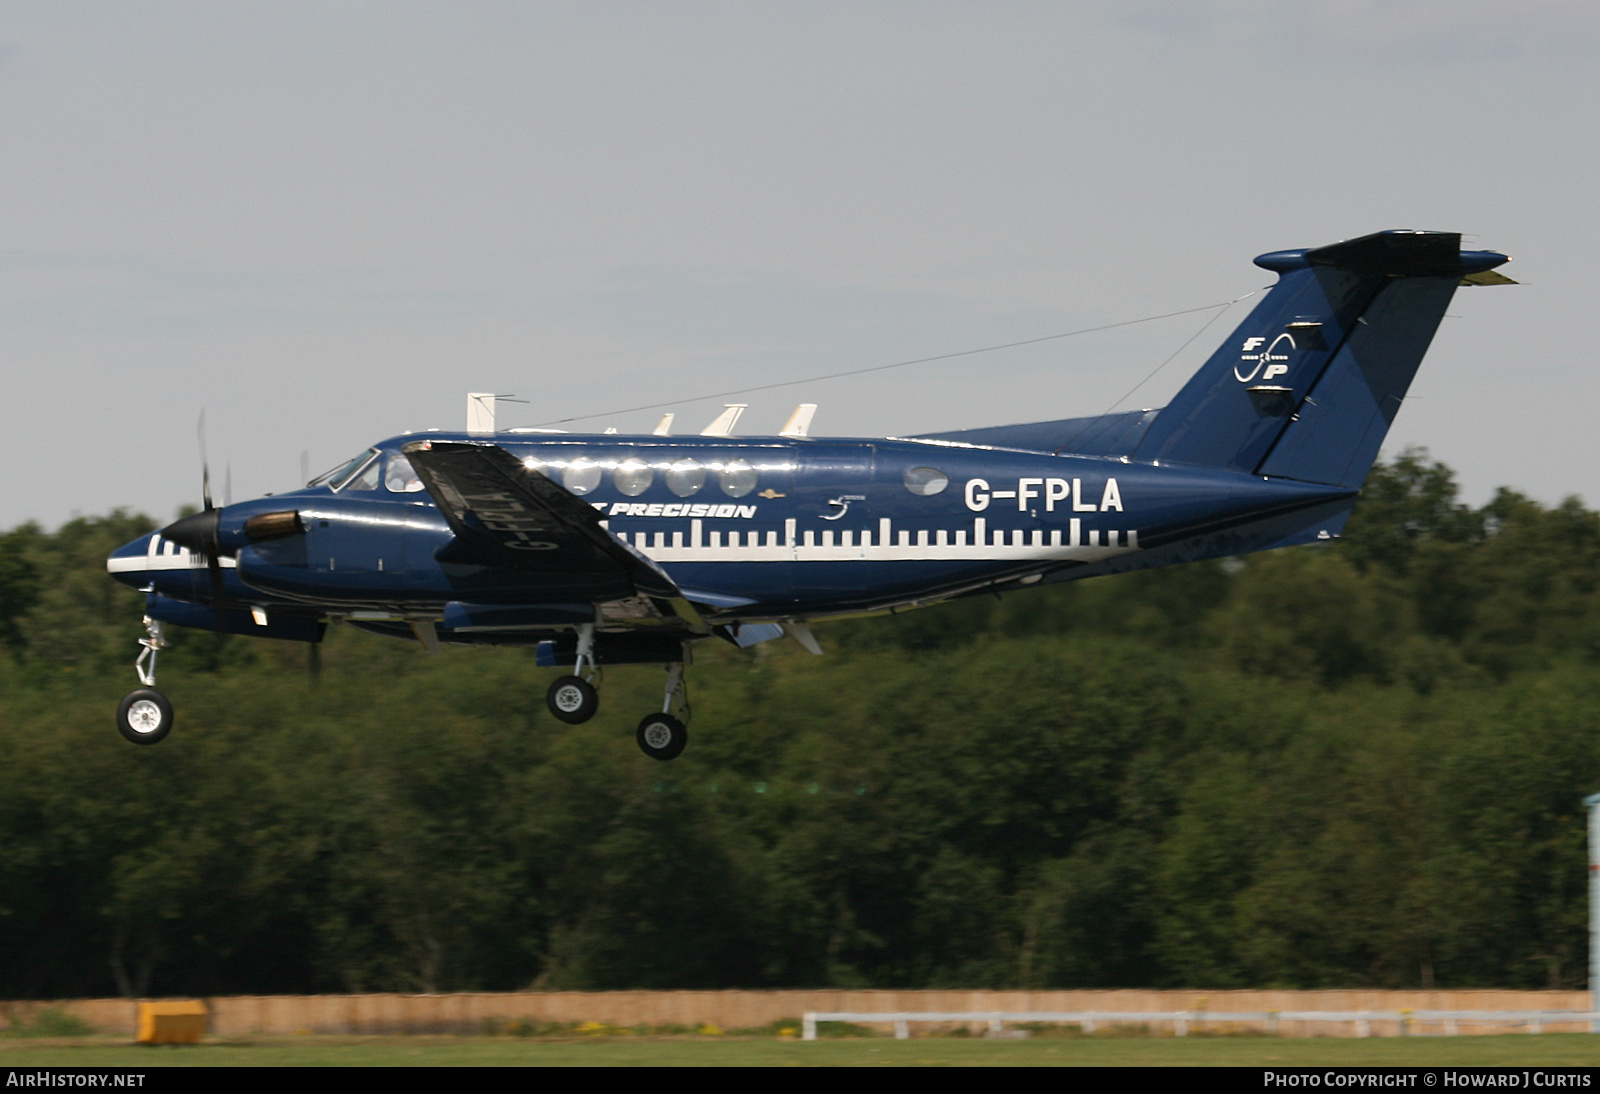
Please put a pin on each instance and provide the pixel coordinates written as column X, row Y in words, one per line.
column 1550, row 1050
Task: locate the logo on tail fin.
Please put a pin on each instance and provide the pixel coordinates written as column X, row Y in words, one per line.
column 1269, row 359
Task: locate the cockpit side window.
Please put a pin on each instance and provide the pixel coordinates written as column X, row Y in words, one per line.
column 360, row 473
column 401, row 477
column 366, row 478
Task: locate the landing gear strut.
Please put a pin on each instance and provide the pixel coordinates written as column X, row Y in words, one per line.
column 663, row 736
column 145, row 716
column 574, row 699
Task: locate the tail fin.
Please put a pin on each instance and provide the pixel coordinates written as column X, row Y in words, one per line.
column 1308, row 384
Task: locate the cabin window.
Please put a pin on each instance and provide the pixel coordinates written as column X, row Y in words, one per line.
column 685, row 477
column 582, row 476
column 926, row 481
column 632, row 477
column 401, row 477
column 737, row 477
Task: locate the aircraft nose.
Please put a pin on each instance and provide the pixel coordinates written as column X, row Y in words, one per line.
column 129, row 563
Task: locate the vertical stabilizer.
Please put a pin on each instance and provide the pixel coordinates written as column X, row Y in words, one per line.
column 1306, row 387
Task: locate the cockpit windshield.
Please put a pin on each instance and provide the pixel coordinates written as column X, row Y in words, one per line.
column 360, row 473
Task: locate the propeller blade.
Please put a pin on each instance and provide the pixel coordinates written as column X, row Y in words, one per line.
column 314, row 661
column 205, row 464
column 199, row 533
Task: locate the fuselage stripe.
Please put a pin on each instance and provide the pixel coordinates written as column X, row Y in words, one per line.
column 887, row 545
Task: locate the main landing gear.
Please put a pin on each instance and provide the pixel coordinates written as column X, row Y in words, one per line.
column 574, row 699
column 663, row 736
column 145, row 716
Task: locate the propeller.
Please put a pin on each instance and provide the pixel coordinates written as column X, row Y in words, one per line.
column 199, row 531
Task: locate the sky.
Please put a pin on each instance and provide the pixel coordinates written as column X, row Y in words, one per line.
column 322, row 224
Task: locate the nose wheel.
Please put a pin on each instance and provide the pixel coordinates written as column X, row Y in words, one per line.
column 145, row 716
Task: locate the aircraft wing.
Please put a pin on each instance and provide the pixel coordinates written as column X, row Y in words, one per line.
column 506, row 516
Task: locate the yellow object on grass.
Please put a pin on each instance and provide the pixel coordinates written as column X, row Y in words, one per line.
column 173, row 1022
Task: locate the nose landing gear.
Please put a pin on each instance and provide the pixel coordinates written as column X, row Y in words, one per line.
column 144, row 716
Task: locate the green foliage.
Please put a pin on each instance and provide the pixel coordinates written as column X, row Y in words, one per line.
column 50, row 1022
column 1358, row 764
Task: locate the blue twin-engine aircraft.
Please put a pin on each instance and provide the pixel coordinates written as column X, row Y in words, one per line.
column 602, row 549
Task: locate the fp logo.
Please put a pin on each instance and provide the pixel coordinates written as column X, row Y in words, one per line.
column 1268, row 362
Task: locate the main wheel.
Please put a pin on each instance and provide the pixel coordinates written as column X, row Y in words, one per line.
column 662, row 737
column 145, row 716
column 572, row 699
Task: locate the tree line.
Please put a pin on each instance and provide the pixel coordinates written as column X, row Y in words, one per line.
column 1358, row 764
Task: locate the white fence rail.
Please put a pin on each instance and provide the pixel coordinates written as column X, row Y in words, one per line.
column 1405, row 1021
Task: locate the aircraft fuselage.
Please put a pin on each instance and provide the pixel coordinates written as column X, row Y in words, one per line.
column 772, row 527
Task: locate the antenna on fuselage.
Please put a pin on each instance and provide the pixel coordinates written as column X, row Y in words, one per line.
column 480, row 411
column 799, row 423
column 723, row 426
